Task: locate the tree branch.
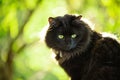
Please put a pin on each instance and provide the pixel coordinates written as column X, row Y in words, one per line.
column 10, row 55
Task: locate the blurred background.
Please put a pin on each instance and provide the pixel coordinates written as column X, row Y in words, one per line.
column 23, row 56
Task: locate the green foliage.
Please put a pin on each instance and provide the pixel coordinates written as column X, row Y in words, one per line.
column 21, row 22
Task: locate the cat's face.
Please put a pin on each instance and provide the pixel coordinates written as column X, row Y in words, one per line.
column 66, row 33
column 65, row 39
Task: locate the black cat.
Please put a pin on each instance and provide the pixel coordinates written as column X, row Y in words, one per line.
column 83, row 53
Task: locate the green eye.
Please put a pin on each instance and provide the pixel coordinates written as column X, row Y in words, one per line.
column 73, row 36
column 60, row 36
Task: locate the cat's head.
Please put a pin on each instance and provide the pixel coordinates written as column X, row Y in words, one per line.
column 67, row 33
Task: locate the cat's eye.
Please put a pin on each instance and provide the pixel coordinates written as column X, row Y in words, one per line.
column 73, row 36
column 60, row 36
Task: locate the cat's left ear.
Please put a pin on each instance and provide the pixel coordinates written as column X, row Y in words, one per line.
column 50, row 20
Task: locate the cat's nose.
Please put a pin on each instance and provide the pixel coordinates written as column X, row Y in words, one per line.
column 68, row 46
column 71, row 46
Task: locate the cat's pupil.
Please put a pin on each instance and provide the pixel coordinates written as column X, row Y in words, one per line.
column 73, row 36
column 60, row 36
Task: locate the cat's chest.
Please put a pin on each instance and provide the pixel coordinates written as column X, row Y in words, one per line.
column 80, row 61
column 76, row 65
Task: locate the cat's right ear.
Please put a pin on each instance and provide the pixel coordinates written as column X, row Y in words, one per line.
column 79, row 17
column 50, row 20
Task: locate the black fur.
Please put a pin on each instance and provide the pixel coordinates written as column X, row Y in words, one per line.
column 91, row 57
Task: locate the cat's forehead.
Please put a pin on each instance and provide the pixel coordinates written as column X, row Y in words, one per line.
column 65, row 30
column 66, row 23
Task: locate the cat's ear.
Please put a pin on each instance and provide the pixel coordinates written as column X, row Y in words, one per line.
column 79, row 17
column 50, row 20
